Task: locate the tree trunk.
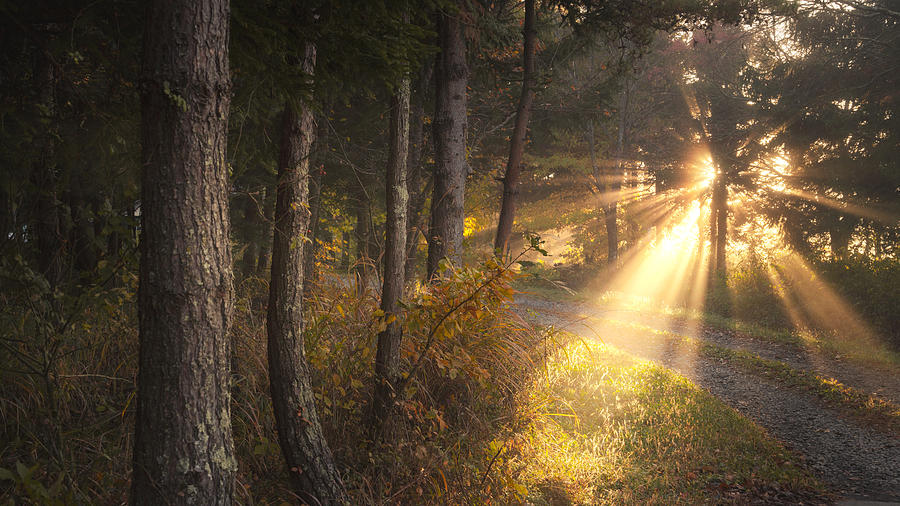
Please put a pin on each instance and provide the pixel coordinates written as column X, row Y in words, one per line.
column 447, row 212
column 345, row 250
column 416, row 181
column 611, row 210
column 839, row 234
column 48, row 219
column 308, row 456
column 251, row 214
column 517, row 142
column 183, row 451
column 718, row 222
column 387, row 357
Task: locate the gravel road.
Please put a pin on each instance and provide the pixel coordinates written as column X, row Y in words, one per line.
column 858, row 462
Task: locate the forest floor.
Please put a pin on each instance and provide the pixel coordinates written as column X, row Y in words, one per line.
column 839, row 416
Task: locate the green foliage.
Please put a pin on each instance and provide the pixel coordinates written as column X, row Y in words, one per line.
column 748, row 293
column 68, row 371
column 872, row 287
column 28, row 486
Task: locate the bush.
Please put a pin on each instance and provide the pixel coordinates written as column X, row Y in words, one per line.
column 466, row 355
column 872, row 287
column 67, row 402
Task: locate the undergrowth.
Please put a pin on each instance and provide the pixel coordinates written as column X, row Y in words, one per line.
column 607, row 428
column 870, row 408
column 491, row 410
column 67, row 402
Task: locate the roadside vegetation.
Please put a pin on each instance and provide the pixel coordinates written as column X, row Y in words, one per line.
column 497, row 412
column 609, row 428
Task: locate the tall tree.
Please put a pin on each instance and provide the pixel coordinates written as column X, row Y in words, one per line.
column 49, row 222
column 445, row 233
column 517, row 141
column 387, row 357
column 611, row 205
column 312, row 471
column 417, row 182
column 183, row 449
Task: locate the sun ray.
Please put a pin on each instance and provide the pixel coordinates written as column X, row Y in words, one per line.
column 880, row 213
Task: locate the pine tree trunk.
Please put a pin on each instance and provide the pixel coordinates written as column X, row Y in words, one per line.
column 722, row 228
column 387, row 357
column 445, row 233
column 517, row 142
column 345, row 250
column 839, row 234
column 48, row 219
column 305, row 450
column 416, row 180
column 183, row 452
column 251, row 214
column 611, row 211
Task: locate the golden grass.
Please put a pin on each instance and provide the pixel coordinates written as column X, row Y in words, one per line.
column 607, row 428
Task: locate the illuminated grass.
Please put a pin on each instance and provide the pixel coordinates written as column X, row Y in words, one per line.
column 828, row 344
column 822, row 342
column 614, row 429
column 869, row 408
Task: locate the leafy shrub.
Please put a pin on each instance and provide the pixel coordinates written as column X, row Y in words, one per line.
column 67, row 416
column 465, row 355
column 68, row 379
column 753, row 296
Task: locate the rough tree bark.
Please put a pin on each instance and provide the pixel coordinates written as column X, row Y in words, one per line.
column 445, row 232
column 416, row 181
column 305, row 450
column 517, row 141
column 183, row 452
column 387, row 357
column 48, row 217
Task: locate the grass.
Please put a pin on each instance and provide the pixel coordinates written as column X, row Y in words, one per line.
column 609, row 428
column 547, row 283
column 868, row 408
column 825, row 343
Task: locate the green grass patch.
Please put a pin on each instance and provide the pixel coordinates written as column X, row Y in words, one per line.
column 872, row 409
column 608, row 428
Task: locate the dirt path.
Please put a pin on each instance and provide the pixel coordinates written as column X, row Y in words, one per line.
column 857, row 461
